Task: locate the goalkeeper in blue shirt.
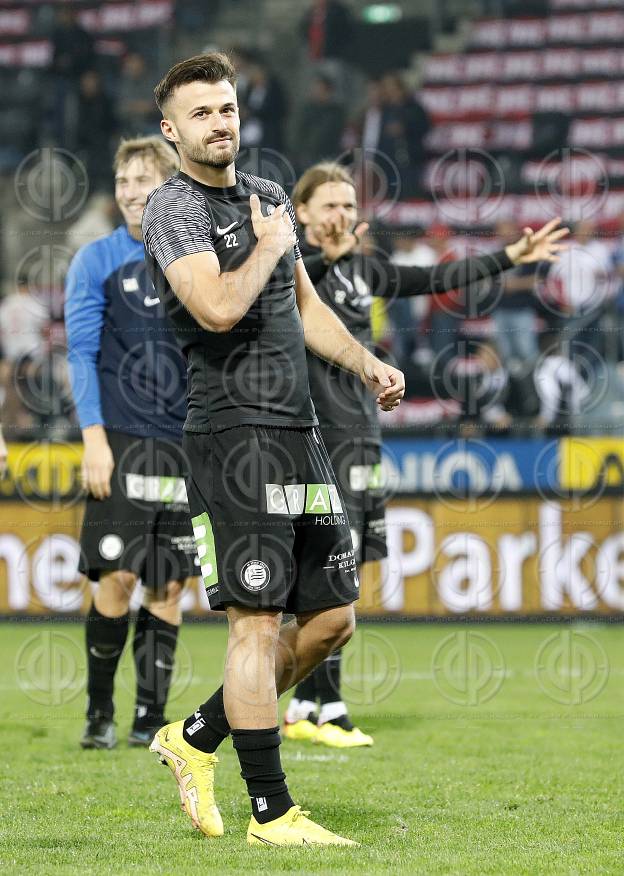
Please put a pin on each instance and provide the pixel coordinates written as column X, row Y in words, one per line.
column 128, row 379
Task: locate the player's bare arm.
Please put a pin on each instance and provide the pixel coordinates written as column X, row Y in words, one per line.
column 326, row 336
column 219, row 300
column 97, row 462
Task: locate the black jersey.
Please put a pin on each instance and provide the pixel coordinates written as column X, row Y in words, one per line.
column 343, row 404
column 256, row 373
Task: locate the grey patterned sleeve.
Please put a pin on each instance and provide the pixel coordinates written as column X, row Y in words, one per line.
column 293, row 218
column 176, row 223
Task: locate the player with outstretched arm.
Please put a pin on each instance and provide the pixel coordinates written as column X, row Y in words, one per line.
column 346, row 280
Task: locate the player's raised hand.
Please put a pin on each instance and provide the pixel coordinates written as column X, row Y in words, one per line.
column 337, row 240
column 385, row 382
column 539, row 246
column 97, row 462
column 276, row 231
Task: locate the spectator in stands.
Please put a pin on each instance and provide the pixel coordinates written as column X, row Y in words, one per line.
column 72, row 56
column 445, row 311
column 560, row 385
column 403, row 128
column 72, row 45
column 515, row 310
column 482, row 384
column 407, row 314
column 96, row 129
column 391, row 131
column 327, row 28
column 583, row 273
column 135, row 98
column 617, row 263
column 321, row 123
column 263, row 102
column 23, row 320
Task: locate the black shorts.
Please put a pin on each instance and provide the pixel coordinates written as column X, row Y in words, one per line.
column 269, row 521
column 357, row 464
column 144, row 526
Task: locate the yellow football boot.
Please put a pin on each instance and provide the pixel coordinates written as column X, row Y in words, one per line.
column 301, row 731
column 337, row 737
column 293, row 828
column 194, row 772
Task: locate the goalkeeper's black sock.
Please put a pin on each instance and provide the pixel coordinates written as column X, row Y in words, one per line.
column 327, row 679
column 261, row 768
column 206, row 728
column 105, row 640
column 154, row 649
column 342, row 721
column 306, row 689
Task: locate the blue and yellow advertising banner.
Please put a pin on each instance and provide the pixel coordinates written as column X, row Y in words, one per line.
column 510, row 528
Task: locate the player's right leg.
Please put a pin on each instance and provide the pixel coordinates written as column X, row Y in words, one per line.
column 111, row 544
column 106, row 632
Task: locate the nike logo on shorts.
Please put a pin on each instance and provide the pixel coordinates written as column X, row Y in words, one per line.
column 150, row 302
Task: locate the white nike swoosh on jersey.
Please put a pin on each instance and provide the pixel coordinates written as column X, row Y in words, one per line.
column 150, row 302
column 226, row 229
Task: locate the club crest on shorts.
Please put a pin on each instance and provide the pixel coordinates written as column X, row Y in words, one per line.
column 111, row 547
column 255, row 575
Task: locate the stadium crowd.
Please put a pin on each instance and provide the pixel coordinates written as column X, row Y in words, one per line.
column 525, row 350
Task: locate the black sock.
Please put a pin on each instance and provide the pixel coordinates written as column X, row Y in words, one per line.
column 342, row 721
column 306, row 689
column 327, row 678
column 154, row 653
column 207, row 727
column 105, row 640
column 261, row 768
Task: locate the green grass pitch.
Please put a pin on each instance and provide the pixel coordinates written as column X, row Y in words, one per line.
column 498, row 749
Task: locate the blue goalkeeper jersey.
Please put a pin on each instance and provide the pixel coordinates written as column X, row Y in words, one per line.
column 126, row 369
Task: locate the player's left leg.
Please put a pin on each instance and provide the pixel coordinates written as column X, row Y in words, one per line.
column 334, row 725
column 300, row 719
column 154, row 646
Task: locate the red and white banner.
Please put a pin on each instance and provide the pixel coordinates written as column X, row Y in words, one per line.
column 585, row 4
column 530, row 209
column 14, row 22
column 519, row 101
column 591, row 27
column 36, row 53
column 524, row 66
column 126, row 16
column 597, row 133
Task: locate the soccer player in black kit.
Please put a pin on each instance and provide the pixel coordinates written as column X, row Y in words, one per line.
column 269, row 521
column 326, row 205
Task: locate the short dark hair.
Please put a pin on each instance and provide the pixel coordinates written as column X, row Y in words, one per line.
column 214, row 67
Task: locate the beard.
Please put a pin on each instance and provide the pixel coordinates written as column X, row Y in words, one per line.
column 200, row 153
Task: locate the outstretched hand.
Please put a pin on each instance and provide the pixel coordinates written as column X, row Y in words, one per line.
column 539, row 246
